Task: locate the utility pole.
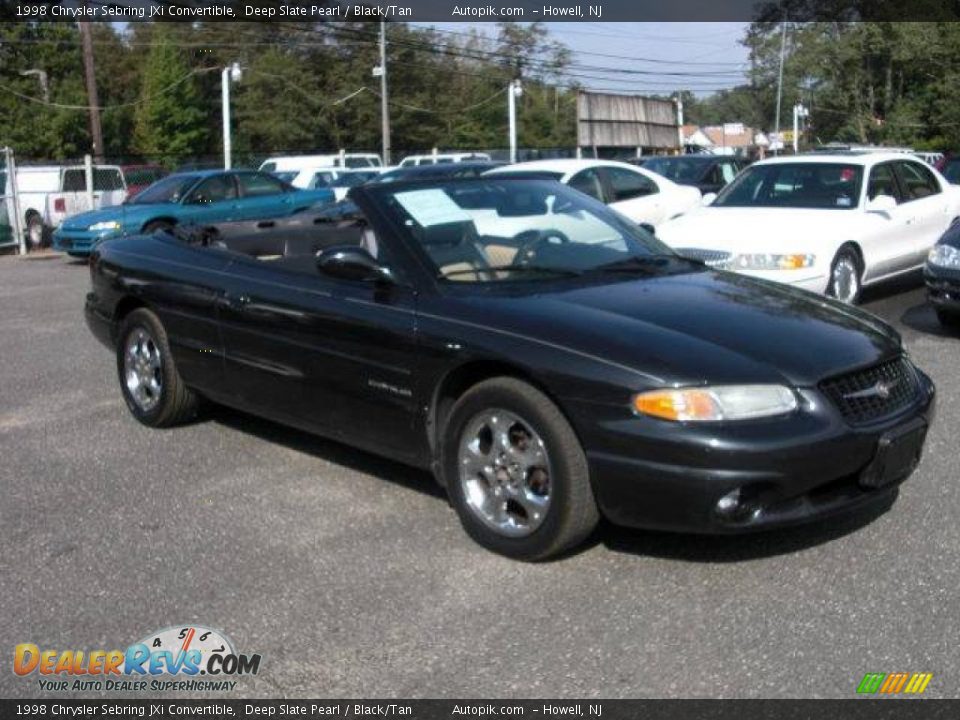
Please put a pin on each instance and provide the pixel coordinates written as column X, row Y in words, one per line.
column 384, row 106
column 513, row 92
column 93, row 100
column 680, row 122
column 799, row 111
column 783, row 46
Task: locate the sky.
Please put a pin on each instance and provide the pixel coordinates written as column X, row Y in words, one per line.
column 647, row 58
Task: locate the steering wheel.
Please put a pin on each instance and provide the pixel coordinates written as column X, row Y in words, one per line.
column 531, row 241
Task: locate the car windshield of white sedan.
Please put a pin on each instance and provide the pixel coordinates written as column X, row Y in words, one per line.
column 489, row 230
column 168, row 190
column 826, row 186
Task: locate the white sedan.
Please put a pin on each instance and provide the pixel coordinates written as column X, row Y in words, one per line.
column 831, row 224
column 639, row 194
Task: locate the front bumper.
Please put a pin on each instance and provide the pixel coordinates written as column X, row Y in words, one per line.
column 80, row 243
column 658, row 475
column 943, row 286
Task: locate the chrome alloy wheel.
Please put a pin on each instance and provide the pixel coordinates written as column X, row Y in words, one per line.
column 505, row 472
column 143, row 369
column 846, row 279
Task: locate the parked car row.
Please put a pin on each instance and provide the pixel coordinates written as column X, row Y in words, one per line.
column 48, row 194
column 188, row 198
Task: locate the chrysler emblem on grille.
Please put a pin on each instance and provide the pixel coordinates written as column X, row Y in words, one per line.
column 882, row 389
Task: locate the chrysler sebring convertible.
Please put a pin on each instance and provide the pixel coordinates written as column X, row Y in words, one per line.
column 549, row 361
column 832, row 224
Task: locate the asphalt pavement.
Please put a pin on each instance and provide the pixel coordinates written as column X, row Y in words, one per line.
column 350, row 574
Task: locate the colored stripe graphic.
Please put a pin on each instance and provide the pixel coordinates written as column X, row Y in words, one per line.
column 894, row 683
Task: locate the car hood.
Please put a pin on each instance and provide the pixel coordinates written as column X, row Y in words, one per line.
column 699, row 327
column 735, row 229
column 121, row 213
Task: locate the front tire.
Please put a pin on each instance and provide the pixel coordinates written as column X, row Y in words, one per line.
column 846, row 276
column 157, row 226
column 151, row 386
column 516, row 473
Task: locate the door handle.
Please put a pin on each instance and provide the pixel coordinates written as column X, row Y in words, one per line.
column 236, row 302
column 266, row 224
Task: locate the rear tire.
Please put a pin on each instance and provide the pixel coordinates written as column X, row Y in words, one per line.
column 151, row 386
column 516, row 472
column 846, row 275
column 36, row 233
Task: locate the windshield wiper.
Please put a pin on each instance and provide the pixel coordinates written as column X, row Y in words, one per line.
column 644, row 263
column 562, row 272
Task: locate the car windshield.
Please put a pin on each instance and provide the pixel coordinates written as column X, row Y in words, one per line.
column 827, row 186
column 353, row 178
column 951, row 171
column 488, row 230
column 677, row 169
column 168, row 190
column 286, row 175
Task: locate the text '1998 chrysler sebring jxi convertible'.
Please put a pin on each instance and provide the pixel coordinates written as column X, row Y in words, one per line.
column 548, row 360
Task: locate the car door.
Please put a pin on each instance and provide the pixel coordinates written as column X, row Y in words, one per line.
column 635, row 195
column 214, row 199
column 929, row 208
column 333, row 356
column 263, row 196
column 885, row 242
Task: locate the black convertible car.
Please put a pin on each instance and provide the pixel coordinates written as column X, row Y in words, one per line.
column 549, row 361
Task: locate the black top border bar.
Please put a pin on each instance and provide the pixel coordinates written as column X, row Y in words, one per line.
column 481, row 10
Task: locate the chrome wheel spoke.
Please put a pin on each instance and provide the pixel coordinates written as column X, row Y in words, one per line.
column 143, row 369
column 505, row 472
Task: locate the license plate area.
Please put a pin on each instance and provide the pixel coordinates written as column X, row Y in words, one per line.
column 898, row 453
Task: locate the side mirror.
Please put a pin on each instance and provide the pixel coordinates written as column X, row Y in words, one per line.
column 881, row 204
column 649, row 228
column 350, row 262
column 708, row 199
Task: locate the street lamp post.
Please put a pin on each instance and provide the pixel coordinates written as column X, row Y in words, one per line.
column 799, row 111
column 515, row 91
column 234, row 73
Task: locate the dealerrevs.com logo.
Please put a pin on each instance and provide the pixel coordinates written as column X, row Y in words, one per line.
column 188, row 657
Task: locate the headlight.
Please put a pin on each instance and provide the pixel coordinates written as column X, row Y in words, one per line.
column 106, row 225
column 944, row 256
column 765, row 261
column 722, row 402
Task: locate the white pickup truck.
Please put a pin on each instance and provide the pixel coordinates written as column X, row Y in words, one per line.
column 50, row 193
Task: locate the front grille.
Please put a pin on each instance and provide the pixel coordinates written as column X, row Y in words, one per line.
column 714, row 258
column 66, row 243
column 875, row 393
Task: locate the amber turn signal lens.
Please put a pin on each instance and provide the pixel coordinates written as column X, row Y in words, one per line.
column 677, row 405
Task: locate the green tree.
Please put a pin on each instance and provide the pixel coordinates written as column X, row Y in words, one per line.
column 172, row 118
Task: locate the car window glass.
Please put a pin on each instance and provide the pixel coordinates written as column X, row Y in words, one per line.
column 824, row 185
column 322, row 180
column 107, row 179
column 74, row 180
column 214, row 189
column 588, row 182
column 883, row 182
column 258, row 185
column 727, row 172
column 918, row 181
column 627, row 184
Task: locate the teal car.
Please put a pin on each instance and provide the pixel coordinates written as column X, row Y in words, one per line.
column 189, row 198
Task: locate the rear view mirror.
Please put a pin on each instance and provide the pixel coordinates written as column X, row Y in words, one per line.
column 881, row 204
column 350, row 262
column 708, row 199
